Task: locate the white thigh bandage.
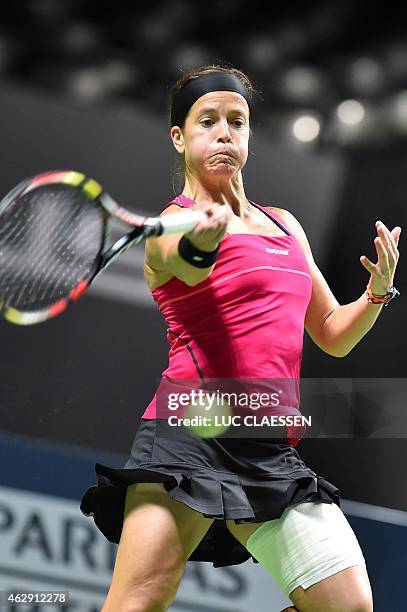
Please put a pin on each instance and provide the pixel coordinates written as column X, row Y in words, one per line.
column 309, row 542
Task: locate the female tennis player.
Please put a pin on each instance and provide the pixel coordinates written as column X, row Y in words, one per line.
column 236, row 293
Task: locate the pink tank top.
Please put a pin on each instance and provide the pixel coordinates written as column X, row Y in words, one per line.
column 246, row 321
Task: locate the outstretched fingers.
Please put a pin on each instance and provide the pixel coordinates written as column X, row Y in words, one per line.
column 386, row 243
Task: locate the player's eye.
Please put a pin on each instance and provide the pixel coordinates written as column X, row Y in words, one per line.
column 207, row 122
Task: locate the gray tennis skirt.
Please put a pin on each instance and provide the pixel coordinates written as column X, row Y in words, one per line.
column 249, row 480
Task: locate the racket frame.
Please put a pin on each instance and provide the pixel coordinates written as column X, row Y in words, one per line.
column 94, row 191
column 143, row 227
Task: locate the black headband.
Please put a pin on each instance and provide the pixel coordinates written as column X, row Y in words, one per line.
column 201, row 85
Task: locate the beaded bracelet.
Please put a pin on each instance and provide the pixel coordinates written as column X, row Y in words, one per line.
column 384, row 299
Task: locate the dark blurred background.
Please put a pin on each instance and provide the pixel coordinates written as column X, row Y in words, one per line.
column 332, row 73
column 84, row 85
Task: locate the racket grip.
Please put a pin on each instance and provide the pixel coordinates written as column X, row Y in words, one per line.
column 172, row 224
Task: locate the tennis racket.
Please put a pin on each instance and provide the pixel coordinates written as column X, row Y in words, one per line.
column 54, row 230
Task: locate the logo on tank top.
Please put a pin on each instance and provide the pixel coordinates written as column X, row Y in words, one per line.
column 278, row 251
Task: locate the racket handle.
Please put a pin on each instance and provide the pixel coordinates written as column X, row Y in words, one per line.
column 172, row 224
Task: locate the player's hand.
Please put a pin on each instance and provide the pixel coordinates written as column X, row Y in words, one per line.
column 207, row 235
column 382, row 273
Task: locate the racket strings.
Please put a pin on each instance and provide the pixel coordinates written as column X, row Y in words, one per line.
column 36, row 270
column 63, row 247
column 39, row 275
column 49, row 241
column 45, row 275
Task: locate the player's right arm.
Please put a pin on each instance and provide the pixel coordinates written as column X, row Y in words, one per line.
column 161, row 253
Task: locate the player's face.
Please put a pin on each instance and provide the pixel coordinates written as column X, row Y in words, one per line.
column 216, row 134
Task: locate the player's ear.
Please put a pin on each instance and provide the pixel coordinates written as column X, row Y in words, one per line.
column 177, row 139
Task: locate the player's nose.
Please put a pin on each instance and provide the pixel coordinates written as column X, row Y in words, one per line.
column 224, row 132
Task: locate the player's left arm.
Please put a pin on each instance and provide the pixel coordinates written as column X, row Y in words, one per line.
column 336, row 328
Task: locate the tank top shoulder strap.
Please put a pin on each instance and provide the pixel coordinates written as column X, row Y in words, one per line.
column 182, row 201
column 276, row 218
column 185, row 202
